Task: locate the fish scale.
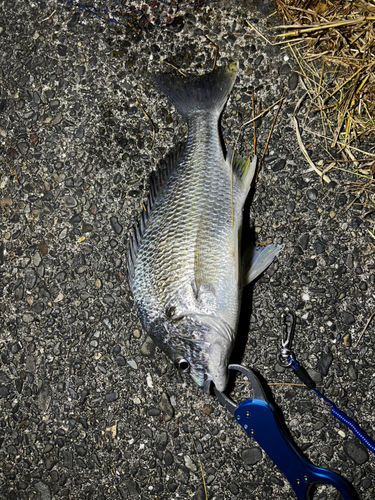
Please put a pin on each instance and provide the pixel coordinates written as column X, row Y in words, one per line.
column 182, row 223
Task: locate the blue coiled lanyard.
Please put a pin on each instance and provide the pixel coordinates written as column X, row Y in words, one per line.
column 286, row 359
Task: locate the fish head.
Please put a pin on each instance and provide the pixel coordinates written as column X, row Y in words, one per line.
column 201, row 346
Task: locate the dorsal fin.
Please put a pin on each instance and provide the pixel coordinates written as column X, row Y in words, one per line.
column 159, row 177
column 158, row 180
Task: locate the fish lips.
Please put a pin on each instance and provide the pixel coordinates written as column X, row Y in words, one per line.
column 217, row 366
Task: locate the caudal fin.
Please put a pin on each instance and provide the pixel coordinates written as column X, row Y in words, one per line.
column 207, row 92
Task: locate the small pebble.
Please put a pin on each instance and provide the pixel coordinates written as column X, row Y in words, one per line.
column 153, row 412
column 132, row 363
column 316, row 376
column 112, row 396
column 30, row 278
column 61, row 50
column 42, row 247
column 279, row 165
column 81, row 450
column 109, row 300
column 149, row 381
column 189, row 463
column 234, row 489
column 290, row 207
column 356, row 451
column 23, row 148
column 366, row 483
column 161, row 440
column 319, row 248
column 293, row 81
column 116, row 226
column 324, row 363
column 207, row 409
column 87, row 228
column 258, row 61
column 348, row 318
column 276, row 480
column 6, row 202
column 172, row 486
column 120, row 360
column 251, row 455
column 133, row 488
column 285, row 69
column 37, row 259
column 44, row 491
column 74, row 20
column 166, row 407
column 168, row 458
column 352, row 372
column 80, row 133
column 304, row 240
column 106, row 322
column 312, row 194
column 70, row 202
column 148, row 347
column 278, row 368
column 347, row 340
column 63, row 233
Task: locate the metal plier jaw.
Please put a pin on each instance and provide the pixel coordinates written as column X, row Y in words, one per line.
column 260, row 421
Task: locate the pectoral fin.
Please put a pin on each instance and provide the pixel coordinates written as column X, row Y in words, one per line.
column 256, row 259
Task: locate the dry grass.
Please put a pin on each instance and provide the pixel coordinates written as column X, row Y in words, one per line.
column 339, row 55
column 335, row 52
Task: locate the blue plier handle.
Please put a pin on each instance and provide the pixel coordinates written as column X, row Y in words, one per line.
column 260, row 421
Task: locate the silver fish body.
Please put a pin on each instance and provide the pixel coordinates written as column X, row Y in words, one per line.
column 184, row 265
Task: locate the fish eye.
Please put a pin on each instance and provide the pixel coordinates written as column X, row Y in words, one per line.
column 182, row 365
column 171, row 311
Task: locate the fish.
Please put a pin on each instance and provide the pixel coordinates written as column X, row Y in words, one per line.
column 185, row 268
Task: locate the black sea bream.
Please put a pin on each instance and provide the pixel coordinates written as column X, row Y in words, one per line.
column 184, row 264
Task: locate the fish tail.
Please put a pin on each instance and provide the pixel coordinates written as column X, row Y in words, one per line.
column 208, row 92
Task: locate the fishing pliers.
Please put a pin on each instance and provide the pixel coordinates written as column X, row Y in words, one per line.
column 259, row 419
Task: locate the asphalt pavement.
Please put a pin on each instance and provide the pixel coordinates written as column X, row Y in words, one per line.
column 90, row 409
